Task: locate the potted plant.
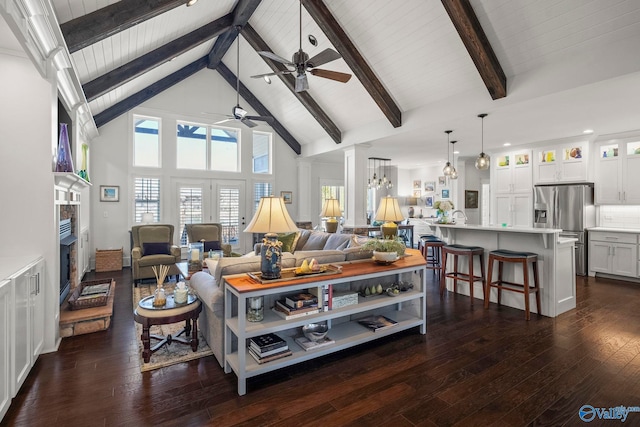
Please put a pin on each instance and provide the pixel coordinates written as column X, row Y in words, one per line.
column 385, row 249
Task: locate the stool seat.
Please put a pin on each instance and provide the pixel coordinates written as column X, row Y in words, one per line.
column 462, row 250
column 516, row 257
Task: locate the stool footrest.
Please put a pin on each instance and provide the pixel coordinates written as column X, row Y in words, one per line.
column 510, row 286
column 463, row 276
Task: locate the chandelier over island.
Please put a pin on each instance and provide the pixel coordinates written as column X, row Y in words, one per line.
column 379, row 179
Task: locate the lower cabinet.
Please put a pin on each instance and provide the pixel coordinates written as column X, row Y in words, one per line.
column 513, row 210
column 405, row 310
column 22, row 325
column 613, row 253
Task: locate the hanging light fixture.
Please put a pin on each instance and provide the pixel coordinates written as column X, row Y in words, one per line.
column 482, row 162
column 379, row 179
column 447, row 168
column 454, row 172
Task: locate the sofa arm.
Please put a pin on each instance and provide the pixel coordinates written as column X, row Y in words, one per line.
column 257, row 248
column 136, row 253
column 176, row 251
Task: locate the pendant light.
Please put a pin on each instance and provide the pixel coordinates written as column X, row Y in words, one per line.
column 454, row 172
column 447, row 169
column 482, row 162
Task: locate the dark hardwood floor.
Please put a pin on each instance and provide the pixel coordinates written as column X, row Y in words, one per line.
column 473, row 368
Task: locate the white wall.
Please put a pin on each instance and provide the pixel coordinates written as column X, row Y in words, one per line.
column 473, row 180
column 111, row 155
column 27, row 128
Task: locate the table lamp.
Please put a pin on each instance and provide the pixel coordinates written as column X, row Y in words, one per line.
column 331, row 210
column 389, row 211
column 271, row 217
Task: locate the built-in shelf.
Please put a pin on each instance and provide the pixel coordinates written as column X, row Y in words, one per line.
column 70, row 181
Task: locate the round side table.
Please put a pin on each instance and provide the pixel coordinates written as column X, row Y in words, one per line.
column 147, row 315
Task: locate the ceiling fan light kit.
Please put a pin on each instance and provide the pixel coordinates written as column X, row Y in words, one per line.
column 301, row 63
column 482, row 162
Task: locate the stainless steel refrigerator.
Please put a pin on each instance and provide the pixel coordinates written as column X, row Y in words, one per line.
column 568, row 207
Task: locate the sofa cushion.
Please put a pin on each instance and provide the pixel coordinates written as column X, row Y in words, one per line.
column 322, row 256
column 212, row 245
column 238, row 265
column 302, row 238
column 205, row 286
column 316, row 241
column 156, row 248
column 155, row 233
column 289, row 241
column 337, row 241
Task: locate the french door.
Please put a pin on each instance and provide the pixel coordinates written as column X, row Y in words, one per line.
column 209, row 200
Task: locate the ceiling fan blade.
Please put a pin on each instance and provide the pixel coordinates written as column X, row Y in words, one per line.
column 276, row 58
column 267, row 119
column 333, row 75
column 224, row 121
column 248, row 122
column 323, row 57
column 258, row 76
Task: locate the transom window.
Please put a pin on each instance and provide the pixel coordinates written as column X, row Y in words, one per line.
column 146, row 142
column 222, row 153
column 261, row 152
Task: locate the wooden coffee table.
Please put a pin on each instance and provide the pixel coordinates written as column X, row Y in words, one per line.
column 147, row 315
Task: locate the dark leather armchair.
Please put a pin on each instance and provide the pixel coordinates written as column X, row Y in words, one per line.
column 157, row 239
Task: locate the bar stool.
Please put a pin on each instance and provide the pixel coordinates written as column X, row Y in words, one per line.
column 433, row 259
column 522, row 258
column 469, row 252
column 422, row 238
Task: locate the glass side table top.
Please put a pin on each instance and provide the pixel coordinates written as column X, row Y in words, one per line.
column 147, row 302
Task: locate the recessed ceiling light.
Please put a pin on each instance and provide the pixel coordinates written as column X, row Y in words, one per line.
column 587, row 131
column 456, row 152
column 191, row 2
column 313, row 40
column 267, row 79
column 507, row 144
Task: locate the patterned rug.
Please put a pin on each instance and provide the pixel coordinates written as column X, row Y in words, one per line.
column 168, row 354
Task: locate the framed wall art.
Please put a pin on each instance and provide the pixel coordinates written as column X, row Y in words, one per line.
column 442, row 180
column 416, row 193
column 109, row 193
column 470, row 199
column 445, row 193
column 429, row 186
column 428, row 201
column 416, row 184
column 287, row 196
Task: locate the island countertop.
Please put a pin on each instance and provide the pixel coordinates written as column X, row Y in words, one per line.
column 531, row 230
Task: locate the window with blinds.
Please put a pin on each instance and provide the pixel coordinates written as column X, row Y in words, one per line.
column 332, row 192
column 147, row 198
column 229, row 214
column 260, row 189
column 190, row 210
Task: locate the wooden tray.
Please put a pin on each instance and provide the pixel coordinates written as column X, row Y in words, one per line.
column 290, row 273
column 76, row 302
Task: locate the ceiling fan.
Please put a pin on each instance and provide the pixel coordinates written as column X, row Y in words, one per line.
column 301, row 63
column 238, row 113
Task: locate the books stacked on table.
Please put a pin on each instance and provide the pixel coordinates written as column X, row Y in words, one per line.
column 268, row 347
column 294, row 306
column 307, row 344
column 377, row 322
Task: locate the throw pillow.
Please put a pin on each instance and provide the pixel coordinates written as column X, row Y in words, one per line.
column 289, row 241
column 357, row 241
column 213, row 245
column 337, row 241
column 156, row 248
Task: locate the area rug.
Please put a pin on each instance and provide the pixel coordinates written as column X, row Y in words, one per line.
column 168, row 354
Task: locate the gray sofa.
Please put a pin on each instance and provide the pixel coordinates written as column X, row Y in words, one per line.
column 324, row 247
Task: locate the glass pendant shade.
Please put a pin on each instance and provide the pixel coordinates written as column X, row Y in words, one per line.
column 447, row 169
column 454, row 174
column 482, row 162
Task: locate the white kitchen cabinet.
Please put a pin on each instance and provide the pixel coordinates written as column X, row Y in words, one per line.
column 613, row 253
column 561, row 163
column 513, row 210
column 617, row 172
column 512, row 172
column 5, row 346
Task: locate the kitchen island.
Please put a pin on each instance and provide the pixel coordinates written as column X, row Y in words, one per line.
column 556, row 262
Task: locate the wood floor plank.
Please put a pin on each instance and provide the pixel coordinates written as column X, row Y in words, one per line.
column 473, row 367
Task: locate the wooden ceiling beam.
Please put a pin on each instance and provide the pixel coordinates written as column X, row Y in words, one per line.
column 149, row 92
column 337, row 36
column 241, row 14
column 246, row 94
column 109, row 20
column 149, row 61
column 475, row 40
column 254, row 39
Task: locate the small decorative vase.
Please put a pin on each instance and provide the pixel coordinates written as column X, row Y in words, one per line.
column 83, row 172
column 255, row 309
column 159, row 297
column 271, row 254
column 64, row 162
column 411, row 211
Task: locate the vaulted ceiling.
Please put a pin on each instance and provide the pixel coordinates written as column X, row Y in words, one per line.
column 542, row 69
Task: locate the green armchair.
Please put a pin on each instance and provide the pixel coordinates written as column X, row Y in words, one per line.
column 153, row 246
column 208, row 232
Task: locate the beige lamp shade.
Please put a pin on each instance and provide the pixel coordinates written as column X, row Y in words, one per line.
column 331, row 209
column 271, row 217
column 389, row 211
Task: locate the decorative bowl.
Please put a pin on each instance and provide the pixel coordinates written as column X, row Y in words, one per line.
column 315, row 331
column 385, row 256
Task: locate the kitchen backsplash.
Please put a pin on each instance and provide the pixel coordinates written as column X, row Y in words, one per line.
column 619, row 216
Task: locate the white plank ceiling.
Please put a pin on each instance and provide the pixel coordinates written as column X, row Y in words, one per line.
column 565, row 60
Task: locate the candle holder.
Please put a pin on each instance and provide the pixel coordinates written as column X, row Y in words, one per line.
column 255, row 309
column 196, row 255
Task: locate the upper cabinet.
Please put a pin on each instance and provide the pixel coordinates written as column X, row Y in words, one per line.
column 512, row 172
column 617, row 172
column 558, row 163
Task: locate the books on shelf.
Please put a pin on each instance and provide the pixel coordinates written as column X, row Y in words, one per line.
column 324, row 294
column 283, row 307
column 307, row 344
column 267, row 342
column 303, row 299
column 265, row 359
column 289, row 314
column 377, row 322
